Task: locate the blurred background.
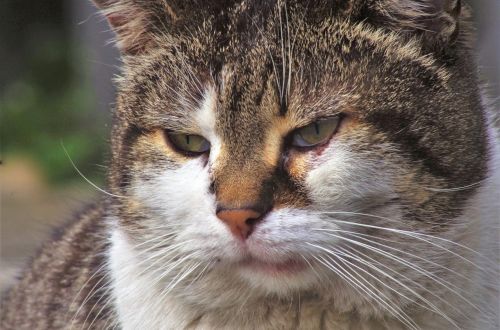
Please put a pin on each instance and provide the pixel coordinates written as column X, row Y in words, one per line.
column 56, row 69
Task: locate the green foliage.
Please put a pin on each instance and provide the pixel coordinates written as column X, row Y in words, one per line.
column 49, row 102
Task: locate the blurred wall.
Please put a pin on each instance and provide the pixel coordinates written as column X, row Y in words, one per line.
column 91, row 31
column 487, row 17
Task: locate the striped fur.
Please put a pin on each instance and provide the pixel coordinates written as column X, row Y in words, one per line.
column 391, row 224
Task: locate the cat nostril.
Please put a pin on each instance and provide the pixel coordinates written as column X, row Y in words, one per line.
column 239, row 221
column 252, row 221
column 211, row 188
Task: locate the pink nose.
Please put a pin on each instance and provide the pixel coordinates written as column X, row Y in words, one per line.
column 239, row 221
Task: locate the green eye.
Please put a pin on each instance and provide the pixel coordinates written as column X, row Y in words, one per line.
column 190, row 144
column 315, row 133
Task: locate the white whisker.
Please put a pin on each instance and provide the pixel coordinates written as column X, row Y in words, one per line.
column 444, row 283
column 419, row 236
column 85, row 178
column 357, row 284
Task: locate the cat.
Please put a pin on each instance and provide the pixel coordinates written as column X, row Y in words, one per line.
column 316, row 164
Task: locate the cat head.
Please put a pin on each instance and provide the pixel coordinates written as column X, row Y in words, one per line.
column 278, row 147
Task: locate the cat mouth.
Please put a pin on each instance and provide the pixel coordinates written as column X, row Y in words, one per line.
column 288, row 267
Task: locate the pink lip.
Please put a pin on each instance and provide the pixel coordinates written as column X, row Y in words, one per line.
column 273, row 268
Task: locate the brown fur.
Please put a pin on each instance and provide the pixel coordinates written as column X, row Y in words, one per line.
column 401, row 72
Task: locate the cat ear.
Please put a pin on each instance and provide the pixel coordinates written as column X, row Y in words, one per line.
column 136, row 22
column 437, row 21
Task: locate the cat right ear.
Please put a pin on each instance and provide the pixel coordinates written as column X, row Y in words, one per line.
column 439, row 23
column 136, row 22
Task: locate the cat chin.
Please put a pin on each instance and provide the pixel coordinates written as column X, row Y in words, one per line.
column 280, row 279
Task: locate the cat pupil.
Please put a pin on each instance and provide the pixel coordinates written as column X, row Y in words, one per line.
column 316, row 127
column 187, row 139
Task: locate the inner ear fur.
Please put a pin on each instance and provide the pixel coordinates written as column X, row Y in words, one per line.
column 439, row 23
column 135, row 22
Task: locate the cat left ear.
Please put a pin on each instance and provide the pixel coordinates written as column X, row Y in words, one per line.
column 135, row 22
column 437, row 21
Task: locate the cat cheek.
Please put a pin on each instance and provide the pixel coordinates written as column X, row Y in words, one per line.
column 297, row 164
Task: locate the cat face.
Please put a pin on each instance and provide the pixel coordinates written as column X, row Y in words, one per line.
column 274, row 149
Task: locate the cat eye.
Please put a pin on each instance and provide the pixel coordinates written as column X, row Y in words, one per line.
column 190, row 144
column 315, row 133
